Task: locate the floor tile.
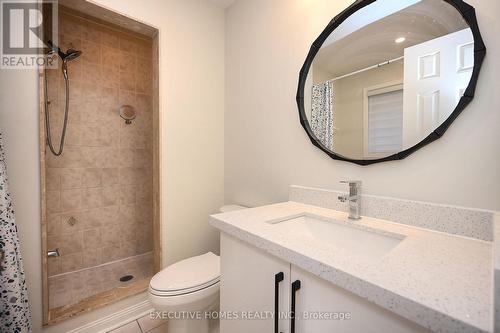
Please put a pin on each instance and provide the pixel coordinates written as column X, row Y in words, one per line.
column 159, row 329
column 147, row 323
column 132, row 327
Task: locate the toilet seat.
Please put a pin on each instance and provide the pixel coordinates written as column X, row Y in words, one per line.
column 187, row 276
column 180, row 292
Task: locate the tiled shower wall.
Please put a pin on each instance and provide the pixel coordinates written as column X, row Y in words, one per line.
column 99, row 192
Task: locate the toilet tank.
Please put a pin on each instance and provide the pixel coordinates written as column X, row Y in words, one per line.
column 230, row 208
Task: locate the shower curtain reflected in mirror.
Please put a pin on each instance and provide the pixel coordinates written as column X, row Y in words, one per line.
column 322, row 113
column 15, row 313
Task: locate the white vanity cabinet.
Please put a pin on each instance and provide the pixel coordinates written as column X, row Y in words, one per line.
column 248, row 281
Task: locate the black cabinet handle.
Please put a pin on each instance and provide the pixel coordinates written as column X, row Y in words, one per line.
column 277, row 279
column 295, row 287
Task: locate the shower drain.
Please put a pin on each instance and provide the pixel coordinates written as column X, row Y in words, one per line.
column 126, row 278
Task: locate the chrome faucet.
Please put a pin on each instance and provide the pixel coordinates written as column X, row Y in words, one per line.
column 354, row 198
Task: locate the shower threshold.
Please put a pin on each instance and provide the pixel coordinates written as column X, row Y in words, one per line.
column 84, row 290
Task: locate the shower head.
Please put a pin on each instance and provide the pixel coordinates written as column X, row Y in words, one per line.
column 71, row 54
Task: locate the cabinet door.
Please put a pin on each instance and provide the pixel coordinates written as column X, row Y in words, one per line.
column 247, row 288
column 319, row 297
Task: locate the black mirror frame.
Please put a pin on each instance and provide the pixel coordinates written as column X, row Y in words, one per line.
column 468, row 13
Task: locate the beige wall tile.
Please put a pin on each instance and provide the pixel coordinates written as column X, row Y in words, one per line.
column 71, row 178
column 144, row 103
column 90, row 134
column 127, row 195
column 70, row 158
column 91, row 157
column 144, row 82
column 109, row 137
column 110, row 38
column 92, row 177
column 110, row 57
column 53, row 179
column 73, row 134
column 127, row 157
column 109, row 97
column 111, row 158
column 54, row 266
column 69, row 42
column 71, row 199
column 92, row 218
column 91, row 32
column 53, row 224
column 92, row 197
column 92, row 257
column 71, row 26
column 110, row 176
column 127, row 80
column 92, row 74
column 110, row 253
column 91, row 93
column 91, row 52
column 53, row 201
column 128, row 214
column 127, row 62
column 128, row 44
column 111, row 235
column 110, row 196
column 92, row 238
column 110, row 77
column 71, row 243
column 144, row 66
column 72, row 222
column 109, row 215
column 72, row 262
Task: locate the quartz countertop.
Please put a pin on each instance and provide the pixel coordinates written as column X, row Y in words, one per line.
column 440, row 281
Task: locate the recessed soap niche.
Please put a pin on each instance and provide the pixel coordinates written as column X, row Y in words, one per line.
column 100, row 198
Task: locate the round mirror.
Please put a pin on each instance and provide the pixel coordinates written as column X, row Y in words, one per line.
column 388, row 77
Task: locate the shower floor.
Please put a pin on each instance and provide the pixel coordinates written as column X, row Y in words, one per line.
column 74, row 292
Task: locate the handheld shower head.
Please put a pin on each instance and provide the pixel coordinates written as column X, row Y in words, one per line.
column 71, row 54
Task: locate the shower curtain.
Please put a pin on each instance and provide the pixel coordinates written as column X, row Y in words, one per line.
column 322, row 113
column 15, row 316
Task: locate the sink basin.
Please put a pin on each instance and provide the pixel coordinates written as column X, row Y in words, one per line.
column 356, row 240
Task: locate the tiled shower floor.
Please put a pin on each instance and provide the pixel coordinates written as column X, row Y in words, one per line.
column 68, row 289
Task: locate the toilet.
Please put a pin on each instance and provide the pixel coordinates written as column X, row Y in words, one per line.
column 185, row 291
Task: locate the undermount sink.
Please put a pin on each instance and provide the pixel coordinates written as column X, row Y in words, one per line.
column 361, row 241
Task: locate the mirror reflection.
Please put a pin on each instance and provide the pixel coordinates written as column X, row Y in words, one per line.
column 388, row 76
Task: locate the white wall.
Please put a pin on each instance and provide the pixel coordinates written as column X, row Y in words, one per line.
column 192, row 126
column 267, row 149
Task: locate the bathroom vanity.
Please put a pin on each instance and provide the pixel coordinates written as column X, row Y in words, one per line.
column 339, row 275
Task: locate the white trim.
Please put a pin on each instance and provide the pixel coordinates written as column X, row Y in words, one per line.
column 116, row 319
column 370, row 91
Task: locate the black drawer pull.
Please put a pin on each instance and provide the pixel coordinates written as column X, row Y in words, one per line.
column 277, row 279
column 295, row 287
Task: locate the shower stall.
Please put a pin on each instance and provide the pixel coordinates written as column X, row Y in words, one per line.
column 99, row 160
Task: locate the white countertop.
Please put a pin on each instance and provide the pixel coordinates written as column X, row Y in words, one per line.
column 440, row 281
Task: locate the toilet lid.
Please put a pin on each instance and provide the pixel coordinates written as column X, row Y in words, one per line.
column 188, row 275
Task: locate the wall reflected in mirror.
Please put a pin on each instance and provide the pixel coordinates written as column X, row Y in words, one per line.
column 388, row 76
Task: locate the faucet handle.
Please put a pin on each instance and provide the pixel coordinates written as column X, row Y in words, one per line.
column 351, row 182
